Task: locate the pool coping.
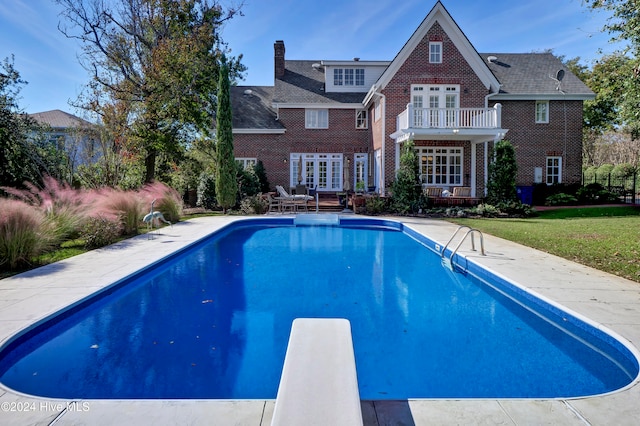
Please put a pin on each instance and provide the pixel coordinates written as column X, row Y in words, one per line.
column 611, row 302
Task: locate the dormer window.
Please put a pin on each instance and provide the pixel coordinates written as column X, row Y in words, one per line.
column 348, row 76
column 435, row 52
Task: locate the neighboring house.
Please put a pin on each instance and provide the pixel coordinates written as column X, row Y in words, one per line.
column 343, row 122
column 71, row 133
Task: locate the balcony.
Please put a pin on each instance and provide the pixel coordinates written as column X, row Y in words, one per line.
column 475, row 124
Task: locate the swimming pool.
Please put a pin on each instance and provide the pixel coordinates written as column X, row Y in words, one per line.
column 240, row 289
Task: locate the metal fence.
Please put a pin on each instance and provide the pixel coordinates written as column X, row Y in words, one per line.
column 626, row 187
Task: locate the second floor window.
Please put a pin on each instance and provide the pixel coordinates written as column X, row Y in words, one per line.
column 348, row 76
column 542, row 111
column 361, row 119
column 317, row 119
column 435, row 52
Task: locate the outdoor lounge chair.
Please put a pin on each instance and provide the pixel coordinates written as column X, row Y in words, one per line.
column 293, row 201
column 462, row 195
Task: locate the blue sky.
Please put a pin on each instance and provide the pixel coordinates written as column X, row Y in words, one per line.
column 330, row 30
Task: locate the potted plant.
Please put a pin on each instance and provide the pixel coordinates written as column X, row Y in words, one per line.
column 360, row 187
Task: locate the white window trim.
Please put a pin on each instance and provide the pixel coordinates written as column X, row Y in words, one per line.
column 547, row 175
column 448, row 152
column 316, row 118
column 439, row 58
column 362, row 116
column 247, row 161
column 546, row 109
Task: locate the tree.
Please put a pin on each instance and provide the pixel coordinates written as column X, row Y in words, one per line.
column 406, row 187
column 20, row 155
column 501, row 185
column 160, row 58
column 624, row 26
column 226, row 185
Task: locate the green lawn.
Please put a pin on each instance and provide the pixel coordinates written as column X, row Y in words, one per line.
column 605, row 238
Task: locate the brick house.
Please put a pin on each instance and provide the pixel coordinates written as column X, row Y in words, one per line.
column 331, row 124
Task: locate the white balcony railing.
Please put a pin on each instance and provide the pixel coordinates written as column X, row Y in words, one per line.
column 449, row 118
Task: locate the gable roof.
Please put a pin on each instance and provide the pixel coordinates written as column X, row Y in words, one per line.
column 533, row 76
column 58, row 119
column 440, row 14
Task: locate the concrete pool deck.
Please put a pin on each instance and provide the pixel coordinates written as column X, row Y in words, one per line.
column 610, row 301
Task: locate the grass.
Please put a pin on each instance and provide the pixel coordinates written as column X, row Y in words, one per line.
column 604, row 238
column 75, row 247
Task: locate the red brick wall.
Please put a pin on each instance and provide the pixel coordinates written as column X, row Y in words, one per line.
column 454, row 69
column 533, row 141
column 341, row 137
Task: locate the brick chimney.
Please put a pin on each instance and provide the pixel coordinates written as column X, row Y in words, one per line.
column 278, row 58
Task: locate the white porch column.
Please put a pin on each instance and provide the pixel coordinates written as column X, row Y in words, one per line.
column 473, row 169
column 486, row 166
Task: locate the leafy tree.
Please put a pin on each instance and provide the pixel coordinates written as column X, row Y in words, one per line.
column 160, row 59
column 407, row 191
column 24, row 155
column 624, row 26
column 226, row 185
column 501, row 185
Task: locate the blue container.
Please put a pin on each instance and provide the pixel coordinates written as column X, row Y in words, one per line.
column 525, row 194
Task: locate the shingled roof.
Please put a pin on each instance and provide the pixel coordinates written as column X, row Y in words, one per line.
column 533, row 74
column 59, row 119
column 251, row 106
column 303, row 83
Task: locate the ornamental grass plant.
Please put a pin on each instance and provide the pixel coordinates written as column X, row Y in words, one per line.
column 24, row 233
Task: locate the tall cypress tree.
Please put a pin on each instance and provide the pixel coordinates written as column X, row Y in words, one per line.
column 226, row 186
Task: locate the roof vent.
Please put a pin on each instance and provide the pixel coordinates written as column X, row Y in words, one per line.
column 248, row 92
column 316, row 66
column 356, row 59
column 492, row 59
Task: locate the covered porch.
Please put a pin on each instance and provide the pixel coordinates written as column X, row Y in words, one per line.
column 452, row 145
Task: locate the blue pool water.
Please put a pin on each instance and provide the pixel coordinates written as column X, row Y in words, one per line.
column 213, row 322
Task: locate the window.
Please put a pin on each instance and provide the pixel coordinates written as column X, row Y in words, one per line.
column 441, row 166
column 337, row 77
column 542, row 111
column 435, row 52
column 435, row 105
column 246, row 162
column 554, row 170
column 359, row 76
column 317, row 119
column 348, row 76
column 362, row 121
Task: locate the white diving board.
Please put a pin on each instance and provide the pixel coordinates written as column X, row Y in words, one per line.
column 319, row 385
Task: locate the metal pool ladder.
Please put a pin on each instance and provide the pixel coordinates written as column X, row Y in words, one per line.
column 470, row 231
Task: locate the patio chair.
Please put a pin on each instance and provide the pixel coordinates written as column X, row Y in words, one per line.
column 293, row 201
column 274, row 204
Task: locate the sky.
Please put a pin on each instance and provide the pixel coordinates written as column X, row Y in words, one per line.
column 327, row 30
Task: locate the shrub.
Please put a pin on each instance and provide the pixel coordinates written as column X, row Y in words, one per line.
column 248, row 182
column 561, row 199
column 501, row 185
column 590, row 174
column 594, row 193
column 100, row 231
column 23, row 234
column 207, row 191
column 261, row 174
column 375, row 204
column 624, row 170
column 407, row 191
column 603, row 172
column 255, row 204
